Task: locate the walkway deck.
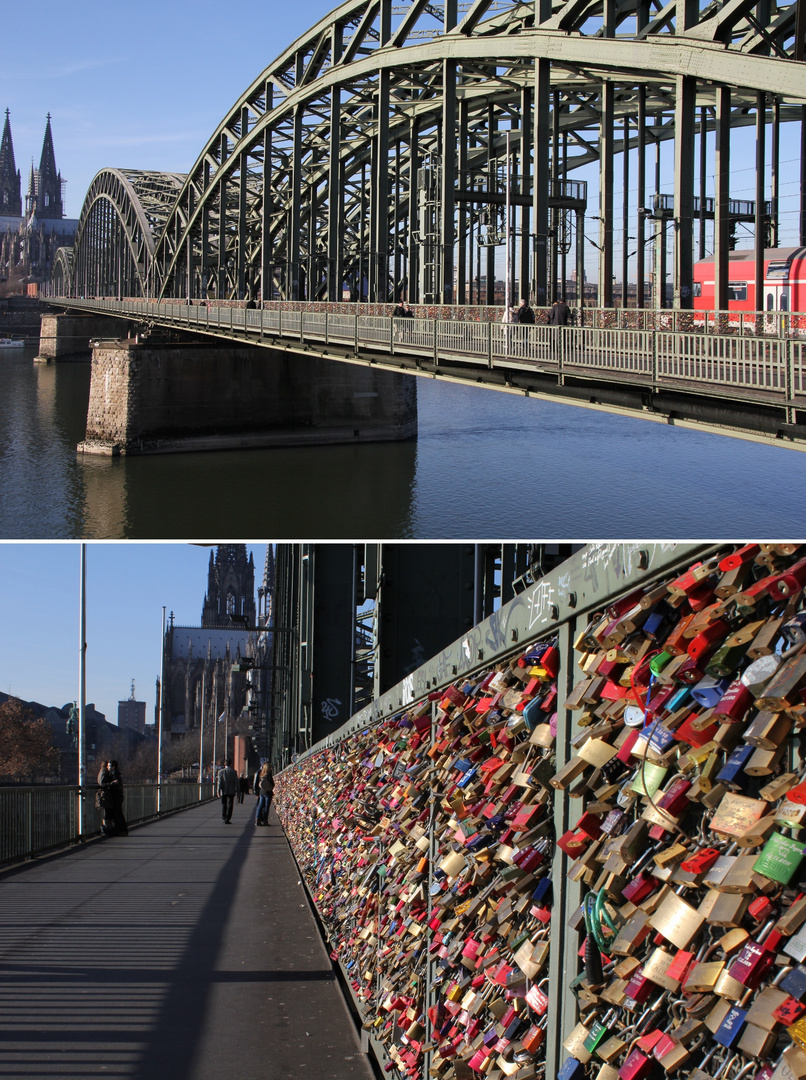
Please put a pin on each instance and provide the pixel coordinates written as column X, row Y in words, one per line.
column 185, row 951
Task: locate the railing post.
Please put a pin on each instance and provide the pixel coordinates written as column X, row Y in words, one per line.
column 436, row 348
column 327, row 329
column 280, row 322
column 355, row 344
column 564, row 334
column 261, row 321
column 655, row 359
column 301, row 325
column 489, row 345
column 392, row 337
column 791, row 412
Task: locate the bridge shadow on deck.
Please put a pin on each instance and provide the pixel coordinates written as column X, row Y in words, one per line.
column 185, row 951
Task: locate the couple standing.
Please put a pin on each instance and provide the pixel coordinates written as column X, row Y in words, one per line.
column 228, row 785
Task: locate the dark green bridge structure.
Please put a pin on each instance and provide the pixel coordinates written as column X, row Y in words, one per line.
column 424, row 151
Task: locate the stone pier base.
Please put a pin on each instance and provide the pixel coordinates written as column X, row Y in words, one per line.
column 150, row 397
column 67, row 337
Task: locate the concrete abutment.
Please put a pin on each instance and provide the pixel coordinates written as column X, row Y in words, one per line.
column 156, row 396
column 64, row 336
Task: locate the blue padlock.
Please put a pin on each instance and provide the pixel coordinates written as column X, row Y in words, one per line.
column 730, row 1030
column 572, row 1069
column 708, row 691
column 732, row 771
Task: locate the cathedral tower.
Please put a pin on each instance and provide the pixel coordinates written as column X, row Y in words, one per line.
column 49, row 181
column 10, row 190
column 230, row 588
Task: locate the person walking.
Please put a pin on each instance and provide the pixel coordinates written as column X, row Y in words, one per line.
column 227, row 789
column 264, row 789
column 243, row 787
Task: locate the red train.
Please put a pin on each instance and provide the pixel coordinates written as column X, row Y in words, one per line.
column 784, row 281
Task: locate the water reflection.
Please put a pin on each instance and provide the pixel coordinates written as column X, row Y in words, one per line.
column 338, row 492
column 486, row 465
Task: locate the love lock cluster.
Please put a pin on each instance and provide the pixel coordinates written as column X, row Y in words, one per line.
column 427, row 844
column 690, row 846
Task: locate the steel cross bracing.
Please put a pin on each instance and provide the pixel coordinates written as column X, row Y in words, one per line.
column 343, row 164
column 124, row 210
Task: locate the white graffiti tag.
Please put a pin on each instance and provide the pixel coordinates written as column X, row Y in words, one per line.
column 330, row 709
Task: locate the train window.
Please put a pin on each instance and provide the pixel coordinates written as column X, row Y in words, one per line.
column 784, row 304
column 737, row 290
column 778, row 270
column 698, row 288
column 770, row 302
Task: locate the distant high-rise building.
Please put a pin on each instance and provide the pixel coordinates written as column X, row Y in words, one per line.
column 132, row 713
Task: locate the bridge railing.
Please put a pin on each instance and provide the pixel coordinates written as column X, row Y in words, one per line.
column 656, row 350
column 38, row 819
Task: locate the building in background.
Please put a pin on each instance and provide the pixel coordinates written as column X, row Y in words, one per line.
column 31, row 234
column 132, row 713
column 204, row 677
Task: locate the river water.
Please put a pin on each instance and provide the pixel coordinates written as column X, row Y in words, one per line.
column 486, row 465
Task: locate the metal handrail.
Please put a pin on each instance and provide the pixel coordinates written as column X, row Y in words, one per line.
column 658, row 350
column 41, row 818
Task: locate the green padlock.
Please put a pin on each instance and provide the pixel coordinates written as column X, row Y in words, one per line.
column 779, row 859
column 659, row 662
column 725, row 661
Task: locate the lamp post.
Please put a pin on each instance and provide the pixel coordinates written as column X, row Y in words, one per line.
column 201, row 732
column 159, row 715
column 82, row 689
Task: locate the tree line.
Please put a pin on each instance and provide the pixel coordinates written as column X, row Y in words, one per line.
column 27, row 753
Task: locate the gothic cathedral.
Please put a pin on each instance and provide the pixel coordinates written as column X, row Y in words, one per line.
column 30, row 235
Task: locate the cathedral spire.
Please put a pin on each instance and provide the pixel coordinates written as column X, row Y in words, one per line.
column 30, row 197
column 10, row 197
column 230, row 588
column 49, row 193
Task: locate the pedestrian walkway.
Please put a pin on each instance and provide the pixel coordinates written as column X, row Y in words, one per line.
column 185, row 951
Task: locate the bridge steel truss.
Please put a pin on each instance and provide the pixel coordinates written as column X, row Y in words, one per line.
column 123, row 212
column 392, row 149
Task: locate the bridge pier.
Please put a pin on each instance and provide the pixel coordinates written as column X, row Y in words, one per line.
column 65, row 336
column 152, row 396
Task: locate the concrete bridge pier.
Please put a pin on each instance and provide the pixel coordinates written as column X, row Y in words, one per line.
column 64, row 336
column 153, row 396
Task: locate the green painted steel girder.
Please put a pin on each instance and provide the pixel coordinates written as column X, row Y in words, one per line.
column 271, row 203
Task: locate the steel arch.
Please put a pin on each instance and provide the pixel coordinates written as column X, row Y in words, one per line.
column 379, row 149
column 123, row 211
column 62, row 272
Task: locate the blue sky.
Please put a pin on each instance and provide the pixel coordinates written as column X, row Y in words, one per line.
column 134, row 85
column 127, row 586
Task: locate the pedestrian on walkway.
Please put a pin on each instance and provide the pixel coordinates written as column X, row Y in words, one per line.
column 111, row 800
column 559, row 313
column 264, row 789
column 243, row 787
column 227, row 789
column 524, row 314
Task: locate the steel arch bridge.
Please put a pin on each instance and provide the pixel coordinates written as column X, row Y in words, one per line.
column 393, row 149
column 124, row 211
